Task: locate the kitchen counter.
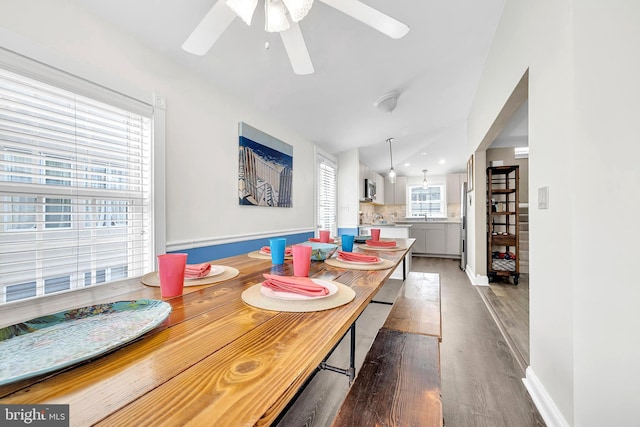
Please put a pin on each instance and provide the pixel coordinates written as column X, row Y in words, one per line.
column 429, row 221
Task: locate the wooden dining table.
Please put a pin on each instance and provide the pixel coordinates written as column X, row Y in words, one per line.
column 215, row 360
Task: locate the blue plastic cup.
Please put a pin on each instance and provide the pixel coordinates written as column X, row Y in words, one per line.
column 347, row 242
column 277, row 250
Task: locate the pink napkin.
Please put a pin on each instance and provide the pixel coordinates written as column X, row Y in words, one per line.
column 298, row 285
column 315, row 239
column 382, row 243
column 352, row 256
column 196, row 271
column 267, row 250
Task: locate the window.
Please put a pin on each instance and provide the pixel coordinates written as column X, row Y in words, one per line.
column 326, row 203
column 75, row 186
column 427, row 202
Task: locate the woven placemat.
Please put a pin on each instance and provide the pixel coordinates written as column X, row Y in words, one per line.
column 260, row 255
column 334, row 262
column 380, row 248
column 152, row 279
column 254, row 297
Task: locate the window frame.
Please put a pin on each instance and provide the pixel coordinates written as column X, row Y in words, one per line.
column 320, row 159
column 441, row 213
column 155, row 110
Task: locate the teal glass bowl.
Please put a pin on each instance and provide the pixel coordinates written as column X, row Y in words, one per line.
column 321, row 251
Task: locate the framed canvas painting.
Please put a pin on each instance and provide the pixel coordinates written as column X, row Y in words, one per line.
column 265, row 172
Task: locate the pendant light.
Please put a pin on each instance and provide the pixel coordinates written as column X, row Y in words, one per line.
column 392, row 172
column 424, row 181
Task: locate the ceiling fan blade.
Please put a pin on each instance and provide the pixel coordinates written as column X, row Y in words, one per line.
column 297, row 50
column 214, row 23
column 370, row 16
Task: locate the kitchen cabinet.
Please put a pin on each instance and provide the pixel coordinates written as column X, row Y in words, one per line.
column 503, row 222
column 454, row 181
column 452, row 246
column 418, row 233
column 396, row 194
column 436, row 238
column 379, row 189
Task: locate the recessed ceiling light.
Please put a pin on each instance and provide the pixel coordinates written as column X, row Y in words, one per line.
column 424, row 153
column 407, row 164
column 442, row 161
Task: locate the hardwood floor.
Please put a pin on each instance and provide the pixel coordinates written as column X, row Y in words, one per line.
column 509, row 305
column 481, row 378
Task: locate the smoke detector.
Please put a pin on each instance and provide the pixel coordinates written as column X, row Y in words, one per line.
column 387, row 102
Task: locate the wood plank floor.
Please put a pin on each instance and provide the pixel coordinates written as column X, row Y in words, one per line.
column 481, row 378
column 509, row 305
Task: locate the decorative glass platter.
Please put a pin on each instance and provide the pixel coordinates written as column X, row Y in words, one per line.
column 52, row 342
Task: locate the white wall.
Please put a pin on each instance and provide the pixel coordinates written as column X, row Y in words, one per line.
column 605, row 280
column 349, row 184
column 583, row 92
column 202, row 124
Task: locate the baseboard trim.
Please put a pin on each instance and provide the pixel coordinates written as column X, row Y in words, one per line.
column 476, row 279
column 545, row 404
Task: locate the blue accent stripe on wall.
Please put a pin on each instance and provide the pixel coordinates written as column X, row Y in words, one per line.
column 213, row 252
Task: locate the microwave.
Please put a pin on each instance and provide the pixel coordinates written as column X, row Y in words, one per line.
column 369, row 190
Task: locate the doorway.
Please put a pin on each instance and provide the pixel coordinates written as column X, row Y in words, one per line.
column 507, row 143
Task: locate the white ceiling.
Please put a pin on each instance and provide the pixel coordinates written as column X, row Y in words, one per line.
column 435, row 67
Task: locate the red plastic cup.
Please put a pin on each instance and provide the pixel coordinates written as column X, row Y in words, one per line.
column 171, row 271
column 375, row 234
column 301, row 260
column 324, row 236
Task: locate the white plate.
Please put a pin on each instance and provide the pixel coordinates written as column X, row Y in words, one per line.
column 215, row 270
column 359, row 262
column 268, row 292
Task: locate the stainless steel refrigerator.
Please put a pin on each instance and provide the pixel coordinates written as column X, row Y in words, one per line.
column 463, row 226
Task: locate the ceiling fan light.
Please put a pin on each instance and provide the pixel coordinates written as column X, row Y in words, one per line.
column 243, row 8
column 276, row 16
column 298, row 9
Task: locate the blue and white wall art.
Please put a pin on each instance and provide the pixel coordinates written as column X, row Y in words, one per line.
column 266, row 169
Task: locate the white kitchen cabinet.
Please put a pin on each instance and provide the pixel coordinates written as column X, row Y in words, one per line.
column 453, row 239
column 453, row 188
column 436, row 239
column 379, row 189
column 454, row 184
column 395, row 194
column 420, row 234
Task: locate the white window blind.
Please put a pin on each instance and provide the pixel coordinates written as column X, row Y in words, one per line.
column 327, row 195
column 75, row 190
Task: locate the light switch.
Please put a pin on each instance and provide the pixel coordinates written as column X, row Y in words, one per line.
column 543, row 198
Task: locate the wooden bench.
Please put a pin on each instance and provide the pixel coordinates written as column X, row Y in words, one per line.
column 417, row 307
column 398, row 384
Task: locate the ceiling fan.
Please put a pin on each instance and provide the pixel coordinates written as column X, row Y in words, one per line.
column 283, row 16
